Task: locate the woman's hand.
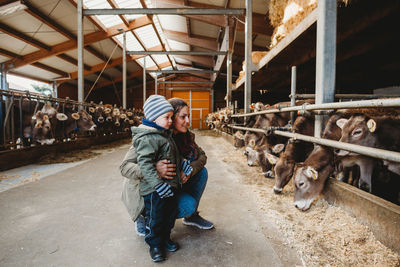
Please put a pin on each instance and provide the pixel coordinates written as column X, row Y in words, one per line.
column 166, row 169
column 184, row 178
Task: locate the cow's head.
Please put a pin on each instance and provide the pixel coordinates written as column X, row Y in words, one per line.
column 251, row 155
column 85, row 121
column 359, row 130
column 239, row 139
column 283, row 173
column 308, row 183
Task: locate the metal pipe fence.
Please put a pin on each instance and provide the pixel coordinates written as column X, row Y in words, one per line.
column 377, row 103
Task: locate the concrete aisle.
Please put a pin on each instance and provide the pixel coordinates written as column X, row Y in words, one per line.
column 75, row 218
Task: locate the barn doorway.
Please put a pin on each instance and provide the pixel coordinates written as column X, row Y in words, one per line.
column 199, row 106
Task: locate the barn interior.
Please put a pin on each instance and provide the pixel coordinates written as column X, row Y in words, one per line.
column 200, row 58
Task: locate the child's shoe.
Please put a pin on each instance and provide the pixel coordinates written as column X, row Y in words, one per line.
column 156, row 254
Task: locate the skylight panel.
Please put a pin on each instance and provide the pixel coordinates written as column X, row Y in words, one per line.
column 149, row 62
column 131, row 43
column 148, row 36
column 129, row 4
column 160, row 58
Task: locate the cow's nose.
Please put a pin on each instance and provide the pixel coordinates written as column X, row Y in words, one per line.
column 101, row 119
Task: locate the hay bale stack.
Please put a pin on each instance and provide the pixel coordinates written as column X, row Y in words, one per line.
column 256, row 56
column 285, row 15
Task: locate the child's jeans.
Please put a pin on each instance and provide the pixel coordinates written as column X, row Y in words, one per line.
column 160, row 218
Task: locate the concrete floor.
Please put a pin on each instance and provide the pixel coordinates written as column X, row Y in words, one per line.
column 75, row 218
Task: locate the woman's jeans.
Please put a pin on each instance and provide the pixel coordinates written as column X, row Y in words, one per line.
column 192, row 190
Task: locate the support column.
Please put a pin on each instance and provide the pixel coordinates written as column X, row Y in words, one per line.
column 124, row 72
column 229, row 79
column 293, row 93
column 54, row 93
column 155, row 85
column 144, row 80
column 80, row 50
column 325, row 58
column 3, row 82
column 248, row 48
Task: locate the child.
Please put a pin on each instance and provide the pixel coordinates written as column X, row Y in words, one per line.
column 153, row 142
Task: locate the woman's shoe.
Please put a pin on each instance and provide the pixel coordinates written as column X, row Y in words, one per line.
column 171, row 246
column 196, row 220
column 156, row 254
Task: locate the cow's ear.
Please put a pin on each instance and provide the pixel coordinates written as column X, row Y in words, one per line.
column 271, row 158
column 371, row 125
column 341, row 122
column 61, row 116
column 92, row 109
column 252, row 143
column 278, row 148
column 75, row 116
column 312, row 173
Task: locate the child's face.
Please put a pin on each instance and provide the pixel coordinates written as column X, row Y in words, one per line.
column 165, row 120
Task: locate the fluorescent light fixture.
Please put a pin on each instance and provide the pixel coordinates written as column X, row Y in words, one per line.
column 11, row 8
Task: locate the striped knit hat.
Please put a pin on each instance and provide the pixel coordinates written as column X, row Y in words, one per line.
column 155, row 106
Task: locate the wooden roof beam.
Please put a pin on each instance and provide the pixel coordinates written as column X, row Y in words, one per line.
column 260, row 25
column 203, row 60
column 50, row 69
column 72, row 61
column 10, row 54
column 23, row 37
column 71, row 44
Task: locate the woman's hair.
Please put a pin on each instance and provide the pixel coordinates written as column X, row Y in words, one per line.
column 185, row 141
column 177, row 104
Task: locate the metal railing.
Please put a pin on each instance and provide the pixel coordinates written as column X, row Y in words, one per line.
column 377, row 103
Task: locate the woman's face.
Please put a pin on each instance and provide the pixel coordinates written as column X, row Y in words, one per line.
column 181, row 121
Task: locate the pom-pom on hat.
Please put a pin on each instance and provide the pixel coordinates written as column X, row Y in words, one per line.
column 155, row 106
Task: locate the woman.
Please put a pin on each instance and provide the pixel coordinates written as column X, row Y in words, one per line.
column 193, row 185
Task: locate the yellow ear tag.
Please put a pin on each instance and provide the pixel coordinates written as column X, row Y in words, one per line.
column 75, row 116
column 252, row 143
column 312, row 173
column 107, row 110
column 371, row 125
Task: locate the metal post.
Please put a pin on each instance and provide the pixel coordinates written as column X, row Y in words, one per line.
column 2, row 84
column 248, row 48
column 80, row 50
column 144, row 80
column 325, row 58
column 229, row 80
column 155, row 85
column 124, row 72
column 293, row 93
column 54, row 93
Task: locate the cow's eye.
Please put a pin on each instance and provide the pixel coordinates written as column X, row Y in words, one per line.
column 357, row 132
column 301, row 184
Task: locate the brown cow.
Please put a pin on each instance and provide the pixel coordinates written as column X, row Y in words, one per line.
column 309, row 177
column 379, row 131
column 295, row 152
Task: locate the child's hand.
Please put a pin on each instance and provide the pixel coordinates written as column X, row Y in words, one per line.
column 186, row 168
column 184, row 178
column 164, row 190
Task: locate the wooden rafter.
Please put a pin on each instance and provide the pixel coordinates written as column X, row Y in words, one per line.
column 71, row 44
column 260, row 25
column 203, row 60
column 72, row 61
column 203, row 42
column 50, row 69
column 23, row 37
